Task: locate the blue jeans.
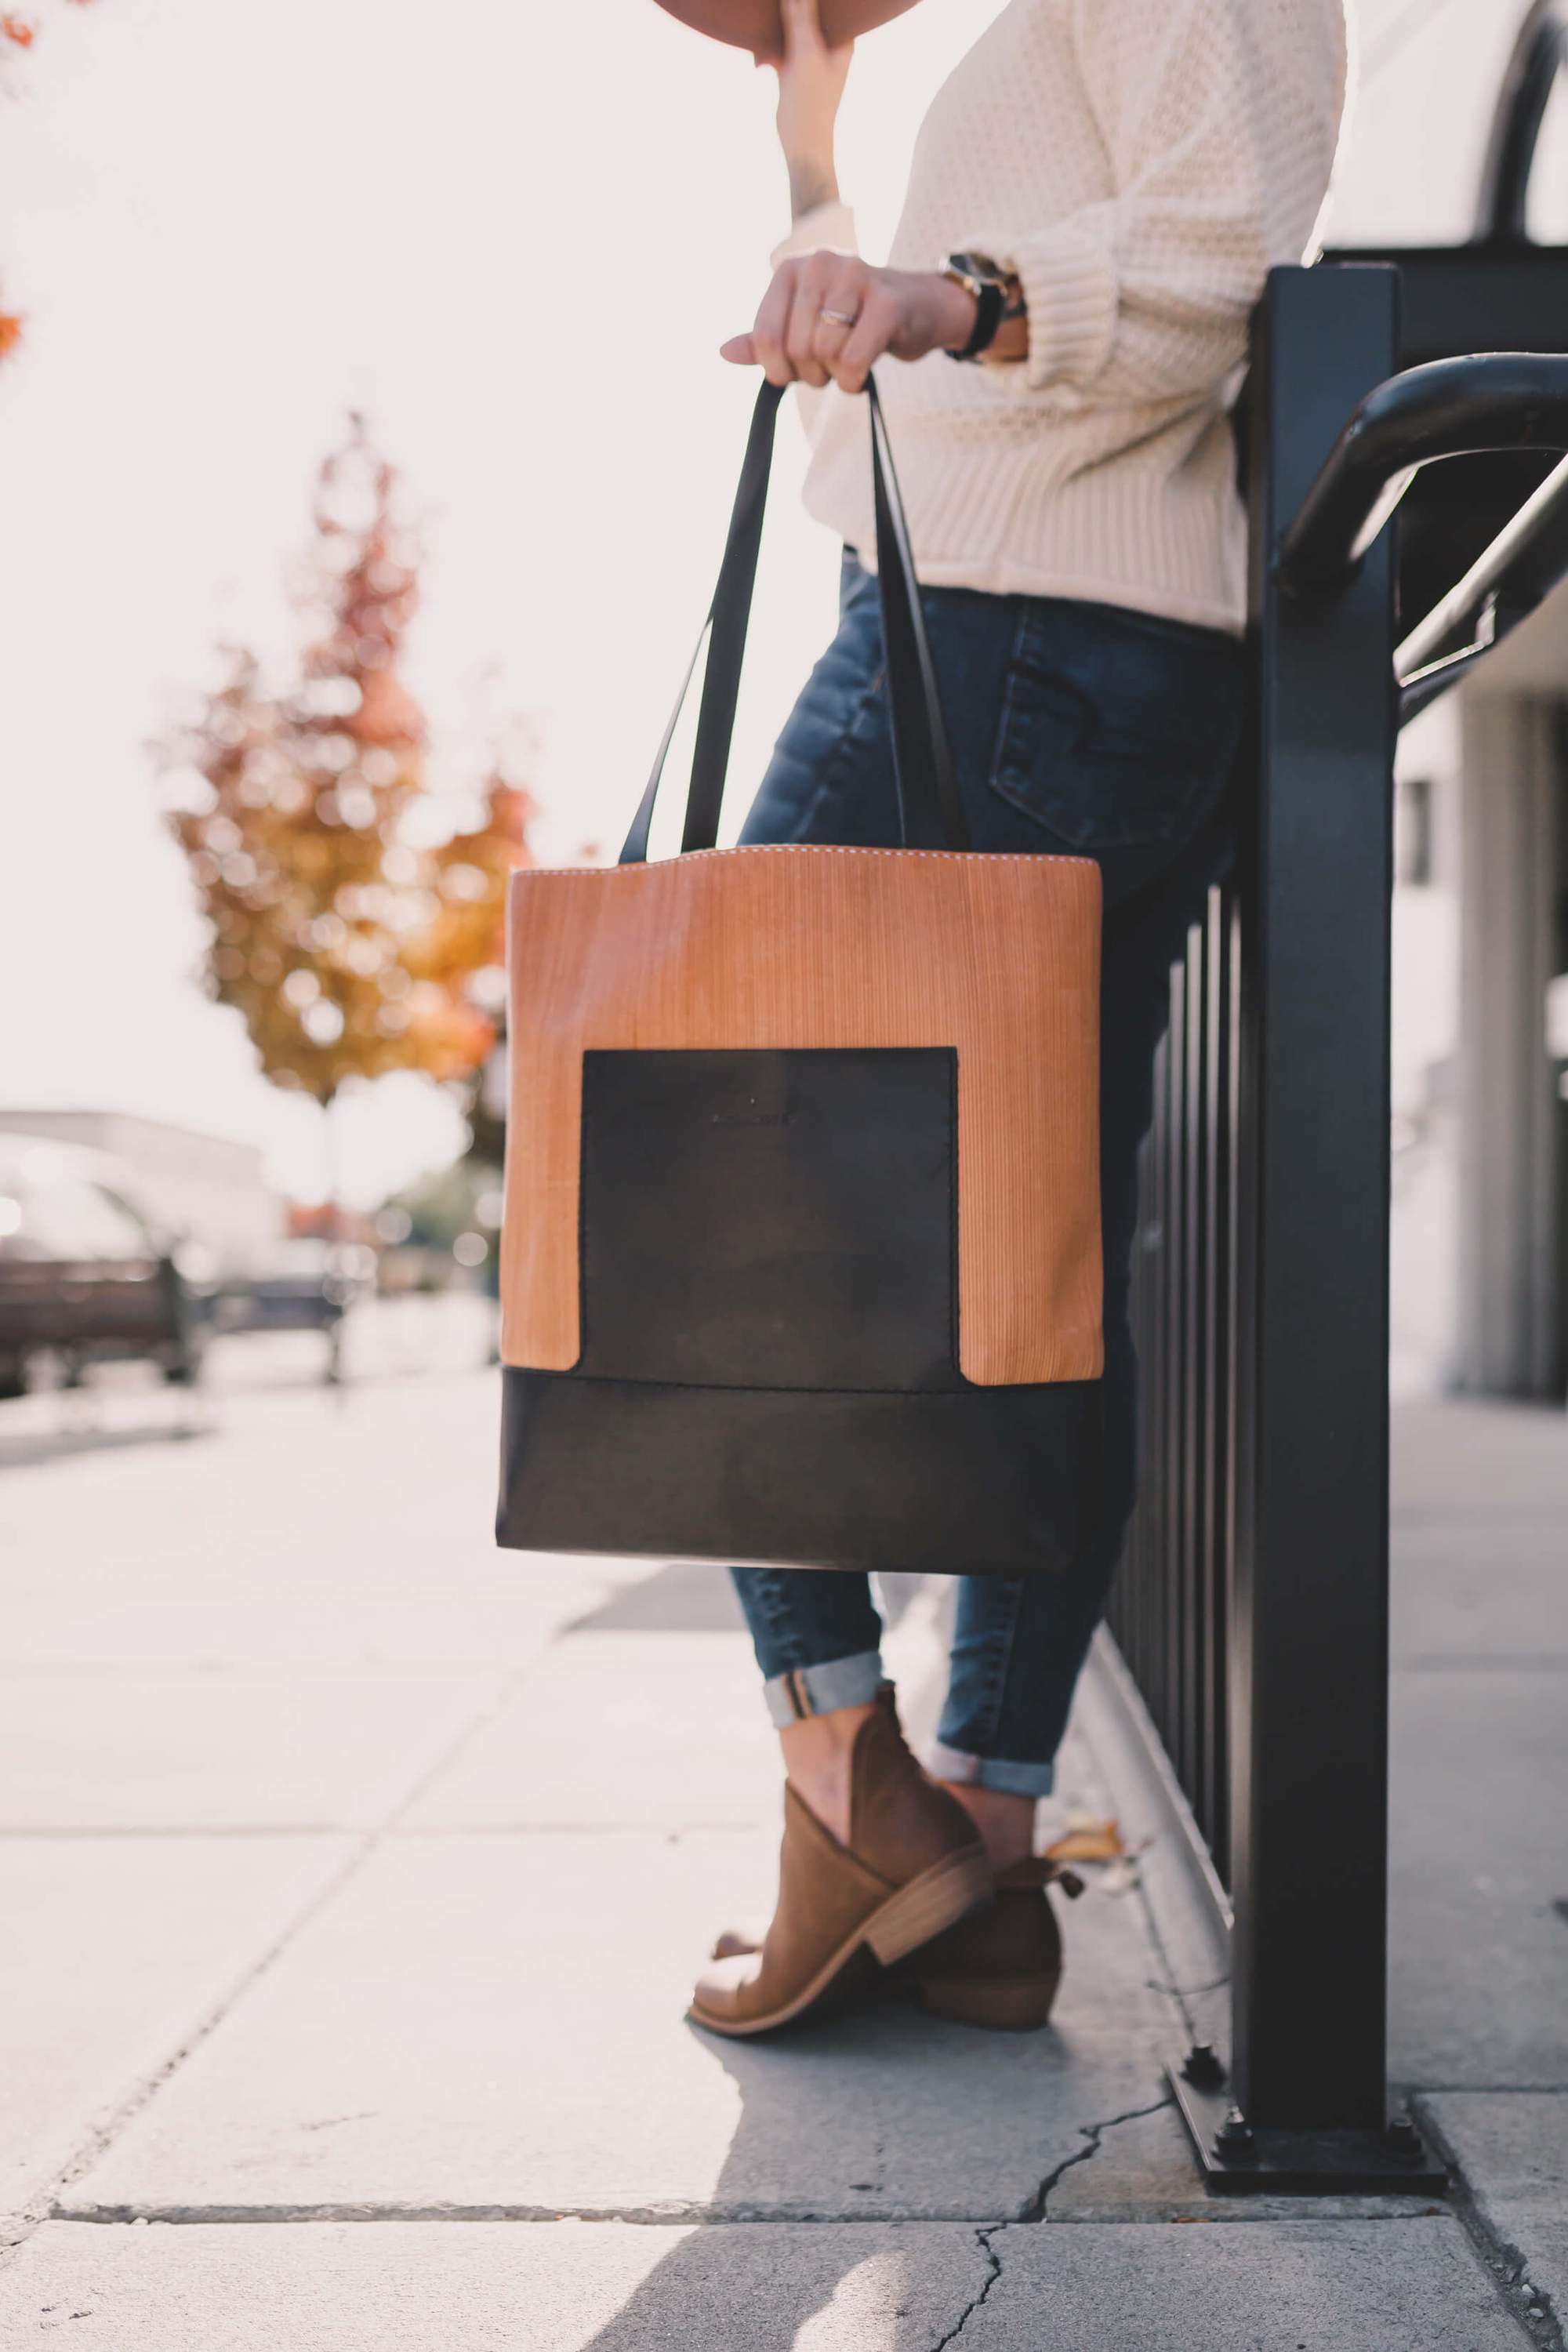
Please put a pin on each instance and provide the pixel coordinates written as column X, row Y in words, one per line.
column 1075, row 726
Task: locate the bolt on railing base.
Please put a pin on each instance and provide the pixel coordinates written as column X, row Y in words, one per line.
column 1238, row 2161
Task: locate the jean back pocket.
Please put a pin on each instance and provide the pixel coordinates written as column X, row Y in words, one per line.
column 1117, row 728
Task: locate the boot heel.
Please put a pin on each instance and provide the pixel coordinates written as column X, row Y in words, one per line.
column 1007, row 2005
column 935, row 1900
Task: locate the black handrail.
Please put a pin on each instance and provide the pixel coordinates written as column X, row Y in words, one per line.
column 1505, row 584
column 1450, row 409
column 1539, row 55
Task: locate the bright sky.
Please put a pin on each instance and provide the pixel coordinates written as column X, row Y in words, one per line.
column 515, row 234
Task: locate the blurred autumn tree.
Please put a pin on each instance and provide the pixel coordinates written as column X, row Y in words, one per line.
column 350, row 943
column 18, row 31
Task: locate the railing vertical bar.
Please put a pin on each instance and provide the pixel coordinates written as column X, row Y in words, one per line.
column 1121, row 1608
column 1161, row 1516
column 1175, row 1068
column 1192, row 1359
column 1129, row 1597
column 1145, row 1274
column 1236, row 962
column 1214, row 1362
column 1152, row 1370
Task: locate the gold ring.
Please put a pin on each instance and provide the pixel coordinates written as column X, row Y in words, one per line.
column 839, row 318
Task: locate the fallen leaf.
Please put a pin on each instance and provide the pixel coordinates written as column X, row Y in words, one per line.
column 1089, row 1842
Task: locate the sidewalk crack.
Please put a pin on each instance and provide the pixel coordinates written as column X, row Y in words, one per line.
column 993, row 2272
column 1092, row 2134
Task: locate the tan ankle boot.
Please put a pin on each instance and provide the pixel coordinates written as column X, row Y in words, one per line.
column 913, row 1866
column 999, row 1966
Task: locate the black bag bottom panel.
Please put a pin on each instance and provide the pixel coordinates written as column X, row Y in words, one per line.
column 974, row 1482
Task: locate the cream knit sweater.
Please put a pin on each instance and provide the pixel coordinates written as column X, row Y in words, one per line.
column 1140, row 164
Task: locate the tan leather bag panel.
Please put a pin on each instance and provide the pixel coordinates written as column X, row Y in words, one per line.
column 775, row 948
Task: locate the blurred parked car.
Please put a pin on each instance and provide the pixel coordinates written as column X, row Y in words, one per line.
column 85, row 1273
column 310, row 1287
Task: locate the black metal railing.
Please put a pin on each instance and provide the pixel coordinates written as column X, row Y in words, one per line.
column 1467, row 407
column 1251, row 1609
column 1170, row 1610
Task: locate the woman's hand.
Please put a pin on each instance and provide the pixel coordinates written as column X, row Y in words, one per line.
column 811, row 84
column 830, row 316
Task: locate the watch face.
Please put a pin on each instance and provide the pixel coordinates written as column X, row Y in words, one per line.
column 976, row 265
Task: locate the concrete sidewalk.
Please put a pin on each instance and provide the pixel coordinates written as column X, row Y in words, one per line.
column 362, row 1872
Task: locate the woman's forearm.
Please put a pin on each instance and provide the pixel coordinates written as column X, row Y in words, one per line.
column 811, row 84
column 813, row 182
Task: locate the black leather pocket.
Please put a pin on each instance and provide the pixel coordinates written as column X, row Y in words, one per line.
column 1117, row 728
column 770, row 1219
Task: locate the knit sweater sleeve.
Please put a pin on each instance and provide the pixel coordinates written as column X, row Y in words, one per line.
column 831, row 225
column 1219, row 121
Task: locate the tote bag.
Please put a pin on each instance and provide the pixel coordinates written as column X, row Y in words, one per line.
column 801, row 1256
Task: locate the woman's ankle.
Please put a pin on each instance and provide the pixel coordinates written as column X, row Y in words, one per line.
column 818, row 1756
column 1004, row 1821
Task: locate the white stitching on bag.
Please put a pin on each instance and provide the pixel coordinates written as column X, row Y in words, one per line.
column 811, row 849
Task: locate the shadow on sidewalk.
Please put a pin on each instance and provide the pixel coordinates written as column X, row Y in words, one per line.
column 794, row 2088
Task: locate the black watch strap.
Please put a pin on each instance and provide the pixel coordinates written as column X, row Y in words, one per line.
column 990, row 301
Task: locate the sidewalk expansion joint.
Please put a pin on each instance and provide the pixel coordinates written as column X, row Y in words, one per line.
column 1536, row 2313
column 365, row 1840
column 674, row 2215
column 1479, row 2090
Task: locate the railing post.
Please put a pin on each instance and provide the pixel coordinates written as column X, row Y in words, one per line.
column 1309, row 1622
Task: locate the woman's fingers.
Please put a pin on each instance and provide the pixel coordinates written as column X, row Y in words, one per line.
column 873, row 331
column 827, row 317
column 804, row 313
column 771, row 325
column 838, row 316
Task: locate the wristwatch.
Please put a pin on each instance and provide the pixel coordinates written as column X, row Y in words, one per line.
column 989, row 285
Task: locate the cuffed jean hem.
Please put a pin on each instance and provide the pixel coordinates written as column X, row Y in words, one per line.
column 989, row 1772
column 817, row 1690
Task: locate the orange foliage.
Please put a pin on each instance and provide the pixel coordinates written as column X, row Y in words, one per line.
column 20, row 31
column 349, row 950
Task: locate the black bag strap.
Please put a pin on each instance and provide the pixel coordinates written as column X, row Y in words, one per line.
column 931, row 814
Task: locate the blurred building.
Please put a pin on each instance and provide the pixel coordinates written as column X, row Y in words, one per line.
column 200, row 1188
column 1481, row 1031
